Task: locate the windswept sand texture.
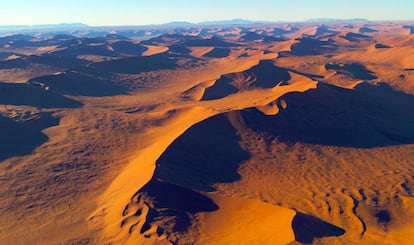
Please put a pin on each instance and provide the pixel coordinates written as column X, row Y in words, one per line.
column 277, row 134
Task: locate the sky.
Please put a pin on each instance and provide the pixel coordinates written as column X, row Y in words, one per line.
column 144, row 12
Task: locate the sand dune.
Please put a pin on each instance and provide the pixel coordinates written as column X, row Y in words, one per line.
column 152, row 50
column 296, row 133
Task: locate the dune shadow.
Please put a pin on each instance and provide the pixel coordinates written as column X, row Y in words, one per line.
column 218, row 53
column 173, row 205
column 306, row 228
column 207, row 153
column 365, row 117
column 367, row 30
column 76, row 47
column 21, row 138
column 31, row 95
column 80, row 82
column 381, row 46
column 353, row 70
column 312, row 46
column 134, row 65
column 356, row 37
column 264, row 75
column 207, row 42
column 127, row 47
column 13, row 64
column 47, row 60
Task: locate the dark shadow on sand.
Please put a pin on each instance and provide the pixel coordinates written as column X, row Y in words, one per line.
column 175, row 204
column 21, row 138
column 205, row 154
column 81, row 82
column 368, row 116
column 307, row 228
column 31, row 95
column 353, row 70
column 264, row 75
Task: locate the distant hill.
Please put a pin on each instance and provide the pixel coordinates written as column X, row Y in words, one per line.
column 178, row 23
column 46, row 26
column 337, row 20
column 214, row 22
column 230, row 22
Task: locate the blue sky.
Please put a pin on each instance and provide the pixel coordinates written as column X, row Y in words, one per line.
column 141, row 12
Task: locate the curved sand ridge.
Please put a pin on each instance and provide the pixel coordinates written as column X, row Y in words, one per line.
column 141, row 167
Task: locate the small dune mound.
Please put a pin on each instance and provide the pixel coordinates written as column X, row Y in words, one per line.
column 312, row 46
column 207, row 42
column 127, row 47
column 353, row 70
column 153, row 50
column 114, row 36
column 61, row 37
column 9, row 55
column 251, row 36
column 85, row 46
column 16, row 37
column 379, row 46
column 263, row 75
column 356, row 37
column 218, row 53
column 269, row 109
column 200, row 51
column 196, row 92
column 366, row 30
column 324, row 30
column 179, row 49
column 165, row 40
column 135, row 65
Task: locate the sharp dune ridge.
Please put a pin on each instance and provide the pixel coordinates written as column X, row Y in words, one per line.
column 296, row 133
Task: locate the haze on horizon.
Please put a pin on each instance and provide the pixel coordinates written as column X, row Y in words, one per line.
column 129, row 12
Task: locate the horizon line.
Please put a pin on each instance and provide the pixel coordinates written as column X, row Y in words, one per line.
column 207, row 22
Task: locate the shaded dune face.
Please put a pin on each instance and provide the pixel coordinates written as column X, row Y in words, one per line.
column 218, row 53
column 356, row 37
column 21, row 138
column 126, row 47
column 205, row 154
column 263, row 75
column 312, row 46
column 307, row 228
column 31, row 95
column 353, row 70
column 80, row 82
column 368, row 116
column 162, row 209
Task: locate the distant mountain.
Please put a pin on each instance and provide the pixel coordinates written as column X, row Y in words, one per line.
column 178, row 23
column 230, row 22
column 337, row 20
column 214, row 22
column 46, row 26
